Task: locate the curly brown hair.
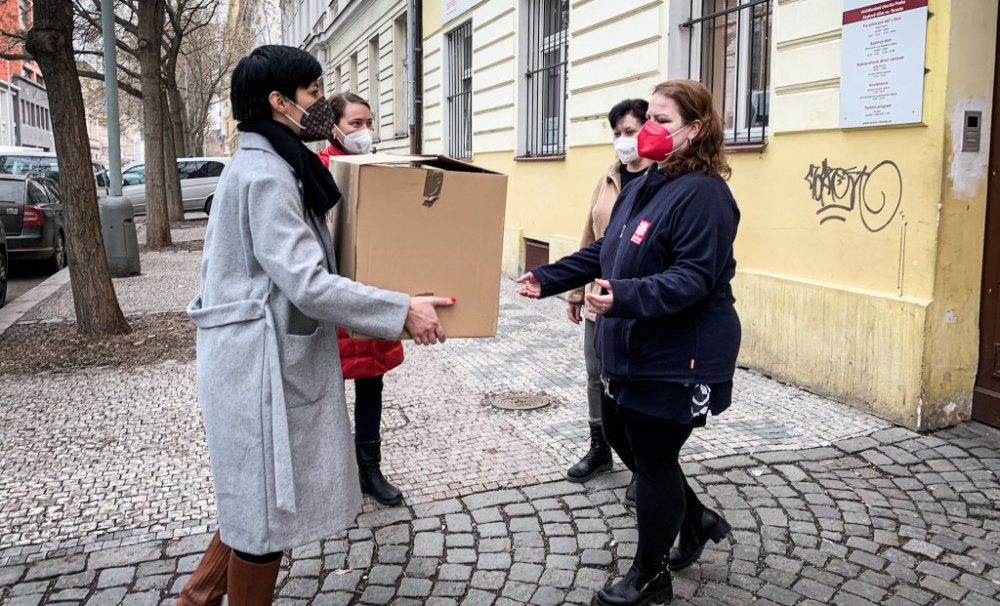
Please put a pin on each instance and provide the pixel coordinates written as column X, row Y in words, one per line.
column 706, row 152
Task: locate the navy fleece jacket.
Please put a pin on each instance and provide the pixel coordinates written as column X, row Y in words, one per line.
column 668, row 255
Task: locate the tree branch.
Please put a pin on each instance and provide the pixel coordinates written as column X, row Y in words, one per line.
column 128, row 88
column 16, row 57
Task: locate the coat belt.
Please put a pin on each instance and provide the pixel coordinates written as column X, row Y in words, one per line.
column 284, row 477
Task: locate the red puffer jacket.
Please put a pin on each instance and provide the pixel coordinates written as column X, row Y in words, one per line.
column 363, row 359
column 325, row 154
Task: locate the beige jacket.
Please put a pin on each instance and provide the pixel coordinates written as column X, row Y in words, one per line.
column 603, row 201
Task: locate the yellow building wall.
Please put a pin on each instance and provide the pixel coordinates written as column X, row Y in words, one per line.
column 875, row 303
column 952, row 329
column 887, row 318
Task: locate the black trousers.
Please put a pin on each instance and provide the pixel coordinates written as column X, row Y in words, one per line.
column 367, row 409
column 650, row 447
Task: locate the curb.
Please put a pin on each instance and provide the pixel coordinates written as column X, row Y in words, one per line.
column 12, row 313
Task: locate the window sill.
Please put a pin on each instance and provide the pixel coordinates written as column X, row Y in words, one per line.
column 745, row 148
column 540, row 158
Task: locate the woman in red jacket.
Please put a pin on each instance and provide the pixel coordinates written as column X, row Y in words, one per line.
column 364, row 361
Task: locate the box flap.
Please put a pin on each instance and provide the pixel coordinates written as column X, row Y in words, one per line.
column 429, row 161
column 363, row 159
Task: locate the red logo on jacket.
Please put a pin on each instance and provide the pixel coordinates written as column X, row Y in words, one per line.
column 640, row 232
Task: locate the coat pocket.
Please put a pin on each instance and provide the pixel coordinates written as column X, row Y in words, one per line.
column 229, row 313
column 308, row 366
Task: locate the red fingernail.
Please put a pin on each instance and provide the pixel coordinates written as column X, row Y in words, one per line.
column 454, row 300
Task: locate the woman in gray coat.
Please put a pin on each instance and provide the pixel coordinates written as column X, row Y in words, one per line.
column 269, row 378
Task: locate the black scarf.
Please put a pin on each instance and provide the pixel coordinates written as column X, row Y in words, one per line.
column 320, row 193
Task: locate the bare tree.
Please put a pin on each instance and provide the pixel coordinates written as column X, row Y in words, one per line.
column 163, row 196
column 185, row 18
column 150, row 16
column 49, row 42
column 208, row 59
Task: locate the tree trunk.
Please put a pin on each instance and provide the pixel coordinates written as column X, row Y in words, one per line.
column 175, row 200
column 50, row 42
column 199, row 143
column 151, row 16
column 178, row 111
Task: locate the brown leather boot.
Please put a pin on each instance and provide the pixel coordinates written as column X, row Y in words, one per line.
column 252, row 584
column 208, row 583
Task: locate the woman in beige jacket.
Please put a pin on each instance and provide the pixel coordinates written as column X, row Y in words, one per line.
column 626, row 119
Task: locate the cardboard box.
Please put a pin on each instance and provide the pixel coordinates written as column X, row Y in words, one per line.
column 424, row 225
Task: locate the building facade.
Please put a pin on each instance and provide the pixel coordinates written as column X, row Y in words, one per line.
column 24, row 105
column 363, row 49
column 32, row 110
column 861, row 247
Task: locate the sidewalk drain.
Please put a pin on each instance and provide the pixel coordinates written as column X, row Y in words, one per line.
column 519, row 401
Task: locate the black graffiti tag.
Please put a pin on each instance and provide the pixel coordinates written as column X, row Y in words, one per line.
column 878, row 192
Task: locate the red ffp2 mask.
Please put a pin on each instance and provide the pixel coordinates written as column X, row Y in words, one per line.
column 656, row 142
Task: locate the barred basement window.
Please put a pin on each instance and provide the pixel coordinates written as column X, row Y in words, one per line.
column 729, row 53
column 545, row 77
column 459, row 92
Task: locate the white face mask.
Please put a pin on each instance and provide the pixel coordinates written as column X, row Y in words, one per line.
column 627, row 149
column 358, row 142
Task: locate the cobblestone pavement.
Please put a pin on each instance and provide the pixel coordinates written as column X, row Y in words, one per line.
column 105, row 493
column 104, row 457
column 892, row 518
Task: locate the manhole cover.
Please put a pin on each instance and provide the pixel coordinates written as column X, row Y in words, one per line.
column 519, row 401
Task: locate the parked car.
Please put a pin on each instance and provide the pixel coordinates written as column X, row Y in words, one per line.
column 29, row 161
column 199, row 176
column 3, row 266
column 31, row 210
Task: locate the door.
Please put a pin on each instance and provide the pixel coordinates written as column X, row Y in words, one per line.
column 11, row 205
column 986, row 398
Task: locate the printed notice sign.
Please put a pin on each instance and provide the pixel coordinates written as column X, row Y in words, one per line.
column 882, row 62
column 453, row 8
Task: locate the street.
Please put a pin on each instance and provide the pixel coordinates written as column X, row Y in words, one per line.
column 107, row 498
column 23, row 277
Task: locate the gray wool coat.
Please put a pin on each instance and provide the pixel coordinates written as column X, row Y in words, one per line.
column 269, row 378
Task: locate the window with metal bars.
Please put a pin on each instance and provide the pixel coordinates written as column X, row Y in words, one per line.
column 729, row 53
column 544, row 114
column 459, row 91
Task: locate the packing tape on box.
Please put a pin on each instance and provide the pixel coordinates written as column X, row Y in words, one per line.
column 432, row 187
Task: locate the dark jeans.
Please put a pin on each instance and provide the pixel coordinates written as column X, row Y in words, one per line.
column 367, row 409
column 650, row 447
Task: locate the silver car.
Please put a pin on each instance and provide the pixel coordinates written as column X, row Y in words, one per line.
column 199, row 176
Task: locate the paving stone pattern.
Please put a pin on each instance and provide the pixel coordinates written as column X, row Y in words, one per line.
column 107, row 457
column 105, row 491
column 893, row 518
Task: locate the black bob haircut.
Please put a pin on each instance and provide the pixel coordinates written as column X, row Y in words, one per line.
column 628, row 107
column 269, row 68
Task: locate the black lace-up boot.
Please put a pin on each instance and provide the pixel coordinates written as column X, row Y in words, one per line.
column 597, row 459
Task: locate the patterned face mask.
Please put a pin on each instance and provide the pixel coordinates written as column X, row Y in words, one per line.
column 317, row 121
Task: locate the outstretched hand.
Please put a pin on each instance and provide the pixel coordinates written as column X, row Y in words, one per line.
column 529, row 286
column 601, row 303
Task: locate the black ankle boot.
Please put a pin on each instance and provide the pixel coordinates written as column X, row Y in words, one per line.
column 630, row 493
column 693, row 540
column 638, row 589
column 370, row 474
column 597, row 459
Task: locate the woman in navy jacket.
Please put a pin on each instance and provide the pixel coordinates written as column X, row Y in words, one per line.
column 667, row 334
